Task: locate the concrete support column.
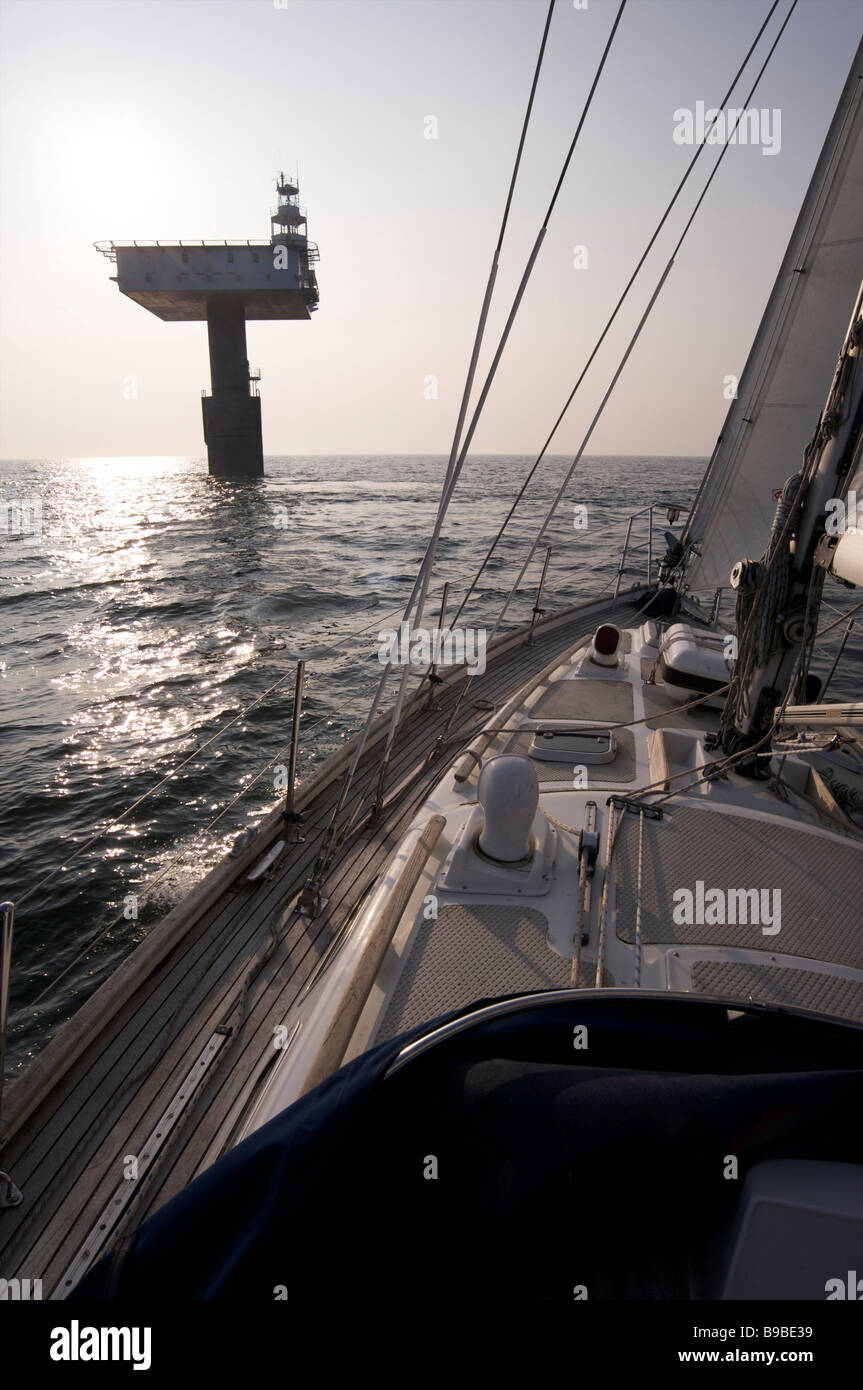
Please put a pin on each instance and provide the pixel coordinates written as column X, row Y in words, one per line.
column 226, row 330
column 232, row 417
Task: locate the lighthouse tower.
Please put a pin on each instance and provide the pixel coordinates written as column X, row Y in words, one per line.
column 289, row 230
column 226, row 283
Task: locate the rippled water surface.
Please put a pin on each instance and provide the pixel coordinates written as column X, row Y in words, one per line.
column 158, row 604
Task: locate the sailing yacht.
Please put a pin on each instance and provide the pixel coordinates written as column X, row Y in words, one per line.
column 551, row 981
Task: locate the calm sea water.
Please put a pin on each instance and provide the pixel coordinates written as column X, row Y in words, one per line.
column 158, row 604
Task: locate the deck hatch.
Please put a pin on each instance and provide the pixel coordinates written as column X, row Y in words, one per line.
column 551, row 743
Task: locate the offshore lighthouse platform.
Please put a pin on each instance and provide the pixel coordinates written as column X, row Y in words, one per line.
column 226, row 283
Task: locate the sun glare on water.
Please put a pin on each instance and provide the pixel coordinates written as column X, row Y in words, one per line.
column 130, row 466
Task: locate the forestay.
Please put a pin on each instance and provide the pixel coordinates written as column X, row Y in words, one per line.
column 789, row 369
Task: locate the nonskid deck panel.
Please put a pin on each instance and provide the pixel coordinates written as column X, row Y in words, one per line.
column 821, row 993
column 809, row 885
column 473, row 952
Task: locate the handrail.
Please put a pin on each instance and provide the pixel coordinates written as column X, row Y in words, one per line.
column 300, row 239
column 290, row 794
column 431, row 675
column 648, row 512
column 622, row 564
column 170, row 245
column 537, row 611
column 649, row 544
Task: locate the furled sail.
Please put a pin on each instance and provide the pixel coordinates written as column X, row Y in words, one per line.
column 852, row 518
column 845, row 517
column 789, row 370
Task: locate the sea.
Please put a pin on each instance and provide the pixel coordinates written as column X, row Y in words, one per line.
column 152, row 619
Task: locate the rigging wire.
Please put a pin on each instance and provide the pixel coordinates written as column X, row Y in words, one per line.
column 561, row 490
column 421, row 581
column 201, row 748
column 710, row 769
column 841, row 619
column 451, row 472
column 616, row 310
column 717, row 768
column 457, row 464
column 147, row 890
column 149, row 887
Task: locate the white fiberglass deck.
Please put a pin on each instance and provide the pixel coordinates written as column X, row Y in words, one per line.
column 788, row 875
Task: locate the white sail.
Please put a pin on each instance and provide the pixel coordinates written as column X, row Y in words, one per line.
column 789, row 370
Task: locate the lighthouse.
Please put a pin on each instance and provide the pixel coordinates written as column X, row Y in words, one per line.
column 226, row 283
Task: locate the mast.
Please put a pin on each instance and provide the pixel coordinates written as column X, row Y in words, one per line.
column 778, row 598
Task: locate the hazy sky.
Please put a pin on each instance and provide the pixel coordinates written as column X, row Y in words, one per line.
column 169, row 118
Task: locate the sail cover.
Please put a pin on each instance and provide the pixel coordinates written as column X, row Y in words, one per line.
column 789, row 370
column 501, row 1163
